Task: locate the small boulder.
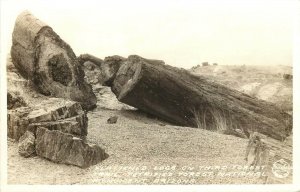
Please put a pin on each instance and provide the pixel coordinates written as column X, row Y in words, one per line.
column 26, row 146
column 112, row 120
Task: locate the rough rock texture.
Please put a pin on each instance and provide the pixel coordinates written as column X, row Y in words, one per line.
column 14, row 100
column 75, row 125
column 275, row 155
column 104, row 71
column 98, row 73
column 41, row 56
column 68, row 115
column 26, row 144
column 110, row 67
column 65, row 148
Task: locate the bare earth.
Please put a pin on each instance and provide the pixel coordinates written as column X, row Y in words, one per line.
column 146, row 150
column 139, row 142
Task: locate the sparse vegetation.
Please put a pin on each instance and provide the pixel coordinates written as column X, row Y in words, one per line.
column 214, row 119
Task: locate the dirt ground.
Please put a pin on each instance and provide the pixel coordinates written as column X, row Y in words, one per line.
column 145, row 150
column 142, row 150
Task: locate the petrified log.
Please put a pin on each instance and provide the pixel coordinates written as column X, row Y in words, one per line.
column 185, row 99
column 53, row 113
column 108, row 67
column 62, row 147
column 41, row 56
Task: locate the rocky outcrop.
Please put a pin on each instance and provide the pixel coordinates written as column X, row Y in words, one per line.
column 26, row 145
column 64, row 148
column 41, row 56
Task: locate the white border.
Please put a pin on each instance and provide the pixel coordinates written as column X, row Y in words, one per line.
column 3, row 119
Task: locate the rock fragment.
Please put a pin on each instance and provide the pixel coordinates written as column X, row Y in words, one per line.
column 26, row 145
column 64, row 148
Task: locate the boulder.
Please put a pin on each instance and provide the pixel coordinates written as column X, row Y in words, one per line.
column 26, row 145
column 64, row 148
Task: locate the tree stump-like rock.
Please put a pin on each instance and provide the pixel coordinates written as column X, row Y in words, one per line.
column 41, row 56
column 182, row 98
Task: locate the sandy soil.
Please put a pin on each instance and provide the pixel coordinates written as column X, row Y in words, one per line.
column 143, row 150
column 146, row 150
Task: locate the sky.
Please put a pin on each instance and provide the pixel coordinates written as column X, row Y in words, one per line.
column 183, row 33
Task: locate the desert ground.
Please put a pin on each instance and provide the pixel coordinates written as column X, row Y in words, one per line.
column 146, row 150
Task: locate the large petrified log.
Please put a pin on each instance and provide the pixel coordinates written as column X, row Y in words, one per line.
column 41, row 56
column 185, row 99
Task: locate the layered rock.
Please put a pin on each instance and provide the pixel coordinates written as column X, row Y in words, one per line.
column 54, row 113
column 41, row 56
column 65, row 148
column 55, row 129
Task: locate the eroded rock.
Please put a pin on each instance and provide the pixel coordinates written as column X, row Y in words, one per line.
column 26, row 145
column 75, row 125
column 53, row 109
column 14, row 100
column 64, row 148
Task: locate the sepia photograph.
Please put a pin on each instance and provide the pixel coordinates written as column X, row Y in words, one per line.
column 145, row 94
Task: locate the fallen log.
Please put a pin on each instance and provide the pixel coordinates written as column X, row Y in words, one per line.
column 42, row 57
column 178, row 96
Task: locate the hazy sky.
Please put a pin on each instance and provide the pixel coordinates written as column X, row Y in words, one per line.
column 183, row 33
